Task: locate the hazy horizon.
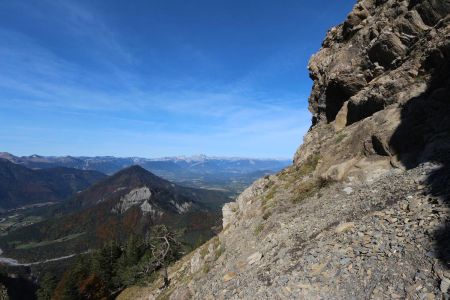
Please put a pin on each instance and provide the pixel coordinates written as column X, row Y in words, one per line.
column 198, row 155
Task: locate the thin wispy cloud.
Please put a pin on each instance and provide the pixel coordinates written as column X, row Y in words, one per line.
column 103, row 78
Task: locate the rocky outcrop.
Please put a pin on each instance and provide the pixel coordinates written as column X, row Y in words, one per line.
column 245, row 206
column 376, row 58
column 363, row 211
column 387, row 56
column 137, row 196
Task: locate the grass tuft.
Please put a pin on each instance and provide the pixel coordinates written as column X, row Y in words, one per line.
column 259, row 228
column 309, row 165
column 308, row 188
column 203, row 251
column 219, row 251
column 340, row 137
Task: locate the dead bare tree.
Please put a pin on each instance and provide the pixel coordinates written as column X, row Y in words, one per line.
column 165, row 248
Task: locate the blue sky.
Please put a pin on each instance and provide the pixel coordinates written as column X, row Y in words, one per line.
column 158, row 78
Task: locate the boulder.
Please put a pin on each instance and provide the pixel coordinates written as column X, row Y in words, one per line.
column 197, row 262
column 229, row 276
column 344, row 227
column 254, row 258
column 183, row 293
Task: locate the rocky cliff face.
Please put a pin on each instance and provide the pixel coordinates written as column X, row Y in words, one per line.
column 363, row 211
column 376, row 58
column 380, row 86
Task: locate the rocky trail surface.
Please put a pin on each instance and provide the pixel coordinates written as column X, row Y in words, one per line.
column 350, row 241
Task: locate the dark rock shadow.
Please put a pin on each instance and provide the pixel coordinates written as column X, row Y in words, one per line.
column 424, row 137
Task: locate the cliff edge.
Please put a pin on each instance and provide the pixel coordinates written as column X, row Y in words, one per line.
column 363, row 212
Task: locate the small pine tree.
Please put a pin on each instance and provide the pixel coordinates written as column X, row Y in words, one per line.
column 126, row 271
column 73, row 278
column 47, row 285
column 70, row 289
column 105, row 265
column 3, row 292
column 93, row 288
column 132, row 250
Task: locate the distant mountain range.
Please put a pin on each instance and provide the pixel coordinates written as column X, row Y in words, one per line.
column 110, row 164
column 21, row 186
column 232, row 174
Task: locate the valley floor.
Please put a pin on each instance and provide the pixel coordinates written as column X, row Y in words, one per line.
column 13, row 262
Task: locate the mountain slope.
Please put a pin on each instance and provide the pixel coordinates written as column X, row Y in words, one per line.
column 137, row 184
column 363, row 212
column 22, row 186
column 129, row 202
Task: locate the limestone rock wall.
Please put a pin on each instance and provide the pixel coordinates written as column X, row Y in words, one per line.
column 388, row 62
column 375, row 58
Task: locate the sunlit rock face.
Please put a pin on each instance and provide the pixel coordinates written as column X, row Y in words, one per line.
column 135, row 197
column 149, row 209
column 182, row 208
column 376, row 58
column 384, row 68
column 142, row 197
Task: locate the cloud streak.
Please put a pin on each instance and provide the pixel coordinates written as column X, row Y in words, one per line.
column 111, row 106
